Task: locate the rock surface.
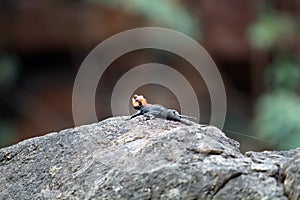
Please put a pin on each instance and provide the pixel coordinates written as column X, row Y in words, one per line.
column 144, row 159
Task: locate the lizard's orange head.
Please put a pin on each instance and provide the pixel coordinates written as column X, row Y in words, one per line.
column 138, row 101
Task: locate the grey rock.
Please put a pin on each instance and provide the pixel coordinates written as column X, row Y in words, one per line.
column 144, row 159
column 290, row 175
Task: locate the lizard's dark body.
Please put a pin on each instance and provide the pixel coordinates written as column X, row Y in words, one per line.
column 152, row 111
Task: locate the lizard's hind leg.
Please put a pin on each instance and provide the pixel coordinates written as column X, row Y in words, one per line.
column 149, row 116
column 175, row 116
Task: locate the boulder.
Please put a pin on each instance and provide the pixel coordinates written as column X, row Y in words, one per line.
column 144, row 159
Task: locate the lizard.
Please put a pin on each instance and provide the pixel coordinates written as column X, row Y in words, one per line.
column 150, row 111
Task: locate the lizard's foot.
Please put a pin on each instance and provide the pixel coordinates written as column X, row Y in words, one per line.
column 127, row 118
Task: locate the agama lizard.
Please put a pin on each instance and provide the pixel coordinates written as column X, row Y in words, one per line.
column 153, row 110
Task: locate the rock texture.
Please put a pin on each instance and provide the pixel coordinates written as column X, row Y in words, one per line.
column 144, row 159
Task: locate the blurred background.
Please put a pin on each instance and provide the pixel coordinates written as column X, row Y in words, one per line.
column 255, row 45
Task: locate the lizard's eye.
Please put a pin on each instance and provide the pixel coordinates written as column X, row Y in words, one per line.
column 136, row 102
column 135, row 97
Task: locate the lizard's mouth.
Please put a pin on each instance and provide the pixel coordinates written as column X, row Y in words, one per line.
column 137, row 105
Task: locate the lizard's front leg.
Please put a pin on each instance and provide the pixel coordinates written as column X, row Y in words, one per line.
column 134, row 115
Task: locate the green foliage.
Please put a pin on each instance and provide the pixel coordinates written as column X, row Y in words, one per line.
column 8, row 70
column 160, row 12
column 7, row 134
column 271, row 28
column 277, row 112
column 284, row 73
column 278, row 118
column 8, row 76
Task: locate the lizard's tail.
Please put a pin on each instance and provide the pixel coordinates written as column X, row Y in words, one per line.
column 186, row 121
column 188, row 117
column 175, row 116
